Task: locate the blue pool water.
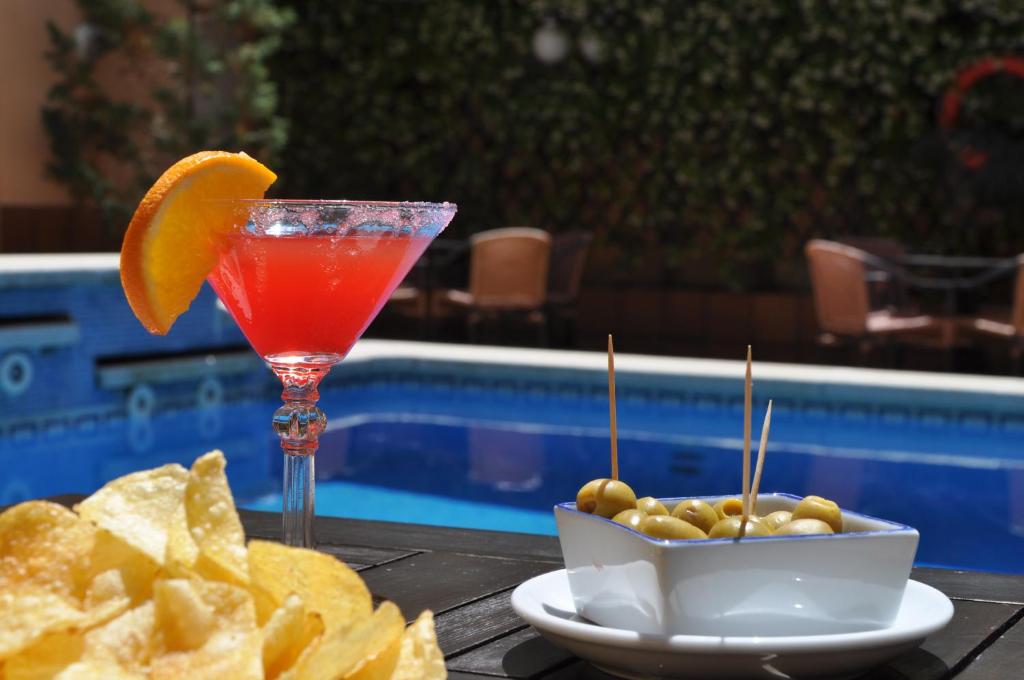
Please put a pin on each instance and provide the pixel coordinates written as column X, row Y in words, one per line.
column 499, row 456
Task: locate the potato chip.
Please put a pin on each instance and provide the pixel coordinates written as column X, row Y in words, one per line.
column 124, row 640
column 420, row 658
column 26, row 615
column 45, row 564
column 367, row 650
column 204, row 630
column 138, row 508
column 45, row 658
column 182, row 551
column 281, row 633
column 119, row 647
column 287, row 634
column 97, row 670
column 154, row 580
column 136, row 570
column 105, row 586
column 213, row 522
column 56, row 657
column 184, row 618
column 326, row 585
column 45, row 545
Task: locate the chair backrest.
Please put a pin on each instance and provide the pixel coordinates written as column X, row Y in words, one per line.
column 568, row 260
column 837, row 282
column 1017, row 310
column 508, row 268
column 879, row 246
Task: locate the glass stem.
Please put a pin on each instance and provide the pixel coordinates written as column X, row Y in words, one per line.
column 299, row 474
column 299, row 423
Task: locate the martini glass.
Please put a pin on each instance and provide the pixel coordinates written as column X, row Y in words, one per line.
column 303, row 280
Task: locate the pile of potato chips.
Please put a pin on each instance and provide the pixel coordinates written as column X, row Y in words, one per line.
column 150, row 577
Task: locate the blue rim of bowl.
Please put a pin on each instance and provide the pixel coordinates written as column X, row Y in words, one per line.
column 896, row 527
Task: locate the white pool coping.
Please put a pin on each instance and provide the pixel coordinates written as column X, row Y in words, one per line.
column 36, row 269
column 372, row 349
column 31, row 270
column 47, row 263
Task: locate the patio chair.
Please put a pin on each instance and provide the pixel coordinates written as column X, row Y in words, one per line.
column 1006, row 324
column 408, row 300
column 508, row 275
column 841, row 302
column 416, row 297
column 565, row 274
column 884, row 290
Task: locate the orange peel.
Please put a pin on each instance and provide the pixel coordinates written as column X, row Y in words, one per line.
column 176, row 234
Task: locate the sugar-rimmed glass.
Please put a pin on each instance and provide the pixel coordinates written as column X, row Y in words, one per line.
column 303, row 280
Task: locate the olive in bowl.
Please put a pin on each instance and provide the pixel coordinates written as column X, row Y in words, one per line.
column 605, row 497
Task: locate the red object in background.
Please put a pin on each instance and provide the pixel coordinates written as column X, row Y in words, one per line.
column 971, row 158
column 949, row 112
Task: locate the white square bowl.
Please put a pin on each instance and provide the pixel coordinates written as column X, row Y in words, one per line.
column 763, row 586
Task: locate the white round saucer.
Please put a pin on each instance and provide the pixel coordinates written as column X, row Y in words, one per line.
column 546, row 603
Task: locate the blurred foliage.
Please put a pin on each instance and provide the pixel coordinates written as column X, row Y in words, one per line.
column 197, row 80
column 700, row 140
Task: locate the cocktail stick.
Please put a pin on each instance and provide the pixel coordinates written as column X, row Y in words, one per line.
column 747, row 389
column 760, row 457
column 611, row 408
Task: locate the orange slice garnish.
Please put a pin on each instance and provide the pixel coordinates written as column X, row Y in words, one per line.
column 176, row 234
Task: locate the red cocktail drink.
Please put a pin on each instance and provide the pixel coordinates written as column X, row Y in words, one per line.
column 297, row 296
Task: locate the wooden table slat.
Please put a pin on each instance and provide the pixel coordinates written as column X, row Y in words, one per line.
column 973, row 585
column 581, row 670
column 972, row 624
column 421, row 537
column 440, row 581
column 1003, row 659
column 523, row 654
column 360, row 558
column 475, row 623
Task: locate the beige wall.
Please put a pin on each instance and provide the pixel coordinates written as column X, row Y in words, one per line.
column 24, row 146
column 27, row 77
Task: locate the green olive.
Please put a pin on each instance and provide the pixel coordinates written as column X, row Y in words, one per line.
column 697, row 512
column 665, row 526
column 728, row 507
column 776, row 519
column 816, row 507
column 631, row 518
column 605, row 497
column 730, row 528
column 800, row 527
column 652, row 506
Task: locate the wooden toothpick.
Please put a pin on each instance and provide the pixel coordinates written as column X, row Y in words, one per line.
column 746, row 440
column 760, row 457
column 611, row 408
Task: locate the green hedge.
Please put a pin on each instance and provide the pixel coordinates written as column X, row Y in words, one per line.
column 205, row 81
column 682, row 133
column 701, row 140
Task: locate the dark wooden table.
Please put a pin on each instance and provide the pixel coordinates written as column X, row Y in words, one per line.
column 467, row 577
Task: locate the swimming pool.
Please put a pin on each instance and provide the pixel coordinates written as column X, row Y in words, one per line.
column 494, row 437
